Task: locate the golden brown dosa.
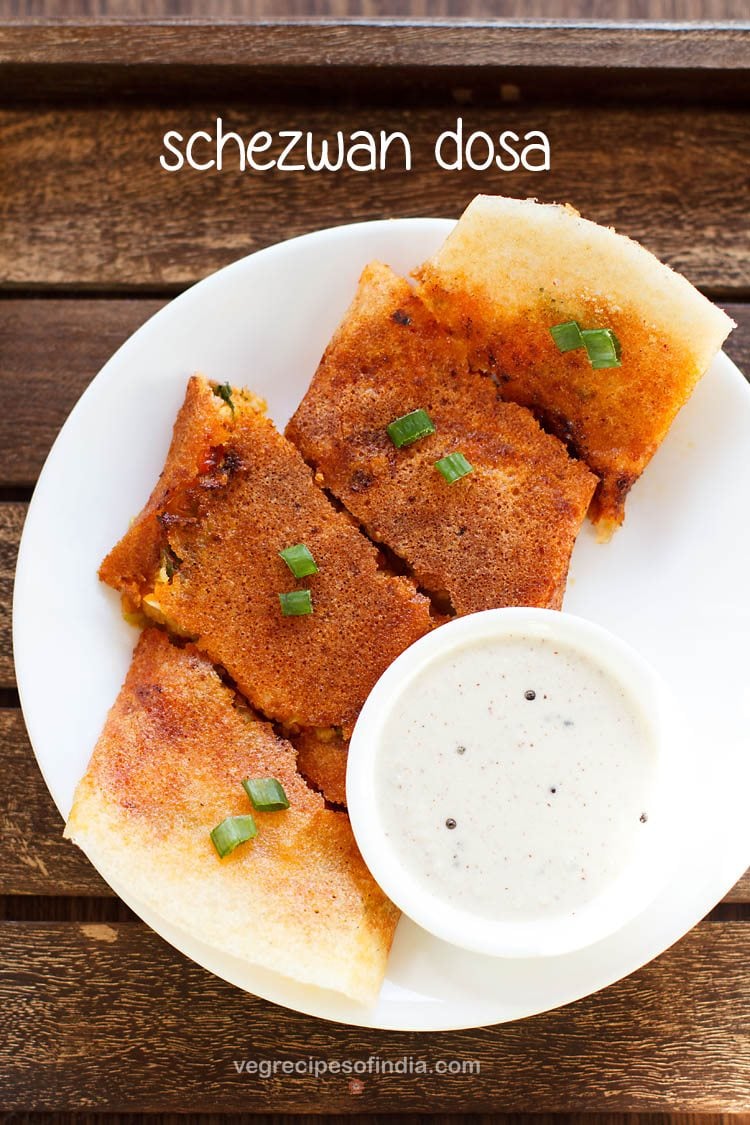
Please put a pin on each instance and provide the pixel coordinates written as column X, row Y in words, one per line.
column 501, row 536
column 513, row 268
column 168, row 767
column 203, row 558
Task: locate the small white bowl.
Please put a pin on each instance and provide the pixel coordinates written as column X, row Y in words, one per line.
column 653, row 855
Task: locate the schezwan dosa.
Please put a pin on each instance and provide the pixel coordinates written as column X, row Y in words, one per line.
column 502, row 536
column 203, row 559
column 168, row 767
column 512, row 269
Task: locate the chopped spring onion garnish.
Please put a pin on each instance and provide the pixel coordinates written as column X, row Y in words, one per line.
column 567, row 336
column 168, row 561
column 299, row 560
column 223, row 390
column 297, row 603
column 410, row 428
column 602, row 346
column 453, row 467
column 233, row 831
column 266, row 793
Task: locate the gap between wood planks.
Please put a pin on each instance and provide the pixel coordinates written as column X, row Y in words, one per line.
column 46, row 291
column 85, row 908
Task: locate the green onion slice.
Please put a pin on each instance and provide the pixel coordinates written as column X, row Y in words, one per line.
column 232, row 832
column 266, row 793
column 453, row 467
column 602, row 346
column 297, row 603
column 224, row 390
column 410, row 428
column 168, row 562
column 299, row 560
column 567, row 336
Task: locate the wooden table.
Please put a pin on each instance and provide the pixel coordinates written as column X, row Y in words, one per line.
column 650, row 130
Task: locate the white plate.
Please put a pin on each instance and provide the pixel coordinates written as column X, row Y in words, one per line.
column 673, row 582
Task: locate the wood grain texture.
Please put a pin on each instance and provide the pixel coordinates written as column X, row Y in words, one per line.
column 468, row 1118
column 401, row 61
column 34, row 858
column 51, row 349
column 600, row 10
column 673, row 1036
column 11, row 523
column 740, row 892
column 86, row 203
column 367, row 43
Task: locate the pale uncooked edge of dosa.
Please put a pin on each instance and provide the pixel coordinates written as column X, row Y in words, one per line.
column 172, row 890
column 545, row 244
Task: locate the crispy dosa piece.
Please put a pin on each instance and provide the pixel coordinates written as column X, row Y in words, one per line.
column 203, row 559
column 168, row 767
column 502, row 535
column 514, row 268
column 199, row 436
column 321, row 759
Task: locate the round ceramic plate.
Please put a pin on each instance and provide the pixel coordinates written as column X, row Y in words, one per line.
column 672, row 582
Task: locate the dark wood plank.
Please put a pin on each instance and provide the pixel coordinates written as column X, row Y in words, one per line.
column 11, row 522
column 108, row 1014
column 740, row 892
column 49, row 352
column 436, row 1118
column 86, row 203
column 74, row 908
column 34, row 858
column 399, row 57
column 468, row 1118
column 51, row 349
column 409, row 41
